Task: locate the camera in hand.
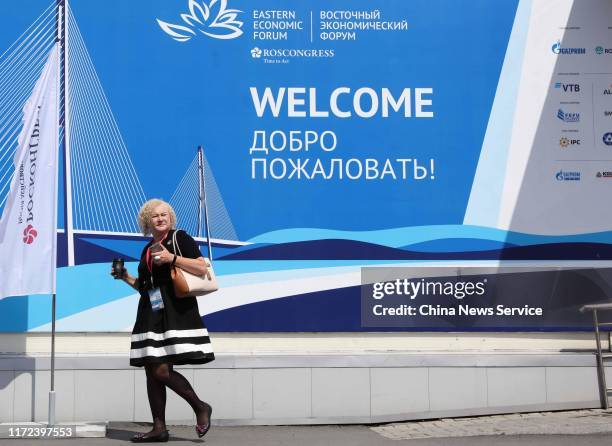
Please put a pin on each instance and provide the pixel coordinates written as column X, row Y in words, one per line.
column 118, row 268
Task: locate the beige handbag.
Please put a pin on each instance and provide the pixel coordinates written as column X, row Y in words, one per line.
column 188, row 284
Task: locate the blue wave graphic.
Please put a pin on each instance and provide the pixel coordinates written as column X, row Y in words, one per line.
column 560, row 293
column 356, row 250
column 408, row 236
column 85, row 287
column 458, row 245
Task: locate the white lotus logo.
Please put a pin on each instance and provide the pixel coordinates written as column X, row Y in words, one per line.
column 213, row 20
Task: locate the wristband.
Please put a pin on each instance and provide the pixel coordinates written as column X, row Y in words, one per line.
column 173, row 260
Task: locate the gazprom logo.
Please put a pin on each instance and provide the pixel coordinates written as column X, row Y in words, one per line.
column 564, row 175
column 558, row 49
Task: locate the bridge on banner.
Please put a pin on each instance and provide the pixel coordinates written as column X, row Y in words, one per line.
column 102, row 192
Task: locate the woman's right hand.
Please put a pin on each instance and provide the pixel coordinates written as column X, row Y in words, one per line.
column 123, row 276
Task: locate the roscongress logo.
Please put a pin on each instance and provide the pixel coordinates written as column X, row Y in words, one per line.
column 213, row 20
column 568, row 117
column 565, row 175
column 607, row 138
column 29, row 235
column 558, row 49
column 601, row 50
column 289, row 53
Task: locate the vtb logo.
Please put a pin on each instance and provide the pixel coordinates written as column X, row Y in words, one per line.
column 29, row 234
column 568, row 88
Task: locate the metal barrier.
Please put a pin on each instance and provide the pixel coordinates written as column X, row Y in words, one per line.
column 601, row 372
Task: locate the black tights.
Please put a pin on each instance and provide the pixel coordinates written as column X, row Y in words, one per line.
column 158, row 377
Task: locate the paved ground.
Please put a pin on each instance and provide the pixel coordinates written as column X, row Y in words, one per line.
column 587, row 427
column 594, row 421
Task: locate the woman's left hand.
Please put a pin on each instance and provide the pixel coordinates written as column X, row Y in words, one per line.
column 162, row 257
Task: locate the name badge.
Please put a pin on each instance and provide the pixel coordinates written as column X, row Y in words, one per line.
column 155, row 297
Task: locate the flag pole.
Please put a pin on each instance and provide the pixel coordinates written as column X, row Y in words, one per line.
column 58, row 40
column 200, row 189
column 61, row 42
column 52, row 391
column 68, row 221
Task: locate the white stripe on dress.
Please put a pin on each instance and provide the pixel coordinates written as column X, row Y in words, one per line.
column 197, row 332
column 170, row 350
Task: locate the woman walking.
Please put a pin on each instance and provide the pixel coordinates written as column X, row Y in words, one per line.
column 168, row 330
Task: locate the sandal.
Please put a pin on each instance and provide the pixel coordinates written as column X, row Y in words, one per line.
column 201, row 429
column 161, row 437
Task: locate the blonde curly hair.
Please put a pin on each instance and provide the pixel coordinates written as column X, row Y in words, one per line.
column 146, row 211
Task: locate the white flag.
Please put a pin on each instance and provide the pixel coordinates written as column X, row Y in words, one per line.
column 28, row 225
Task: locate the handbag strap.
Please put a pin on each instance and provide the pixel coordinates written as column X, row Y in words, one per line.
column 175, row 245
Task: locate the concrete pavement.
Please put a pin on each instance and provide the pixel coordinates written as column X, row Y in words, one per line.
column 583, row 427
column 593, row 421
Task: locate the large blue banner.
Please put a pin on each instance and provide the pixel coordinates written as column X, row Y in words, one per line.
column 336, row 135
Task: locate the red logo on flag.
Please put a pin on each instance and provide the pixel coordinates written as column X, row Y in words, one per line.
column 29, row 234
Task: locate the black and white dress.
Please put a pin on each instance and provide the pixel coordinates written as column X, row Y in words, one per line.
column 175, row 334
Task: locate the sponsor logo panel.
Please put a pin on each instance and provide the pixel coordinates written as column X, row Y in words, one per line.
column 568, row 116
column 567, row 175
column 567, row 88
column 600, row 50
column 561, row 50
column 568, row 142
